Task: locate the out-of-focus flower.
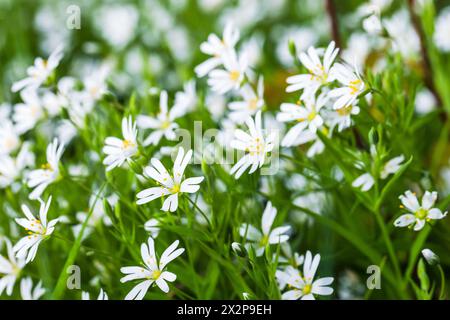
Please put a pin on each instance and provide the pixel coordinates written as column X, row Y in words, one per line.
column 11, row 168
column 9, row 138
column 101, row 296
column 27, row 292
column 40, row 71
column 442, row 25
column 10, row 269
column 28, row 113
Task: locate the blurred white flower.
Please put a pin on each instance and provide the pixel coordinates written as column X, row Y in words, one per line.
column 302, row 37
column 406, row 40
column 259, row 240
column 442, row 25
column 28, row 113
column 11, row 169
column 430, row 256
column 38, row 230
column 391, row 167
column 153, row 272
column 120, row 150
column 420, row 213
column 27, row 292
column 9, row 138
column 217, row 48
column 372, row 24
column 40, row 71
column 187, row 99
column 101, row 296
column 425, row 102
column 164, row 123
column 364, row 181
column 230, row 78
column 170, row 185
column 39, row 179
column 253, row 102
column 152, row 227
column 10, row 268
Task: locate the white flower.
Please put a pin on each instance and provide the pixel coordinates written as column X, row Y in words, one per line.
column 304, row 286
column 253, row 102
column 27, row 292
column 372, row 24
column 342, row 118
column 170, row 185
column 319, row 73
column 222, row 81
column 9, row 138
column 405, row 38
column 28, row 113
column 217, row 47
column 392, row 166
column 101, row 296
column 187, row 99
column 95, row 84
column 10, row 268
column 259, row 240
column 11, row 169
column 425, row 102
column 39, row 179
column 164, row 122
column 153, row 272
column 38, row 230
column 40, row 71
column 353, row 86
column 256, row 145
column 430, row 256
column 152, row 226
column 307, row 114
column 420, row 213
column 365, row 181
column 120, row 150
column 442, row 25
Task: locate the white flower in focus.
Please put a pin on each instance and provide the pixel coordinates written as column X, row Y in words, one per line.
column 304, row 286
column 120, row 150
column 222, row 81
column 39, row 179
column 12, row 169
column 170, row 185
column 255, row 144
column 10, row 269
column 253, row 102
column 40, row 71
column 430, row 256
column 101, row 296
column 164, row 122
column 27, row 292
column 319, row 73
column 38, row 230
column 442, row 25
column 216, row 48
column 28, row 113
column 419, row 213
column 9, row 138
column 259, row 240
column 353, row 86
column 153, row 272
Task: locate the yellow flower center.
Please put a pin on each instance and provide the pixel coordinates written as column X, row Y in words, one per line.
column 354, row 86
column 253, row 104
column 47, row 166
column 156, row 274
column 175, row 188
column 421, row 214
column 234, row 75
column 345, row 110
column 165, row 124
column 127, row 143
column 307, row 289
column 264, row 241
